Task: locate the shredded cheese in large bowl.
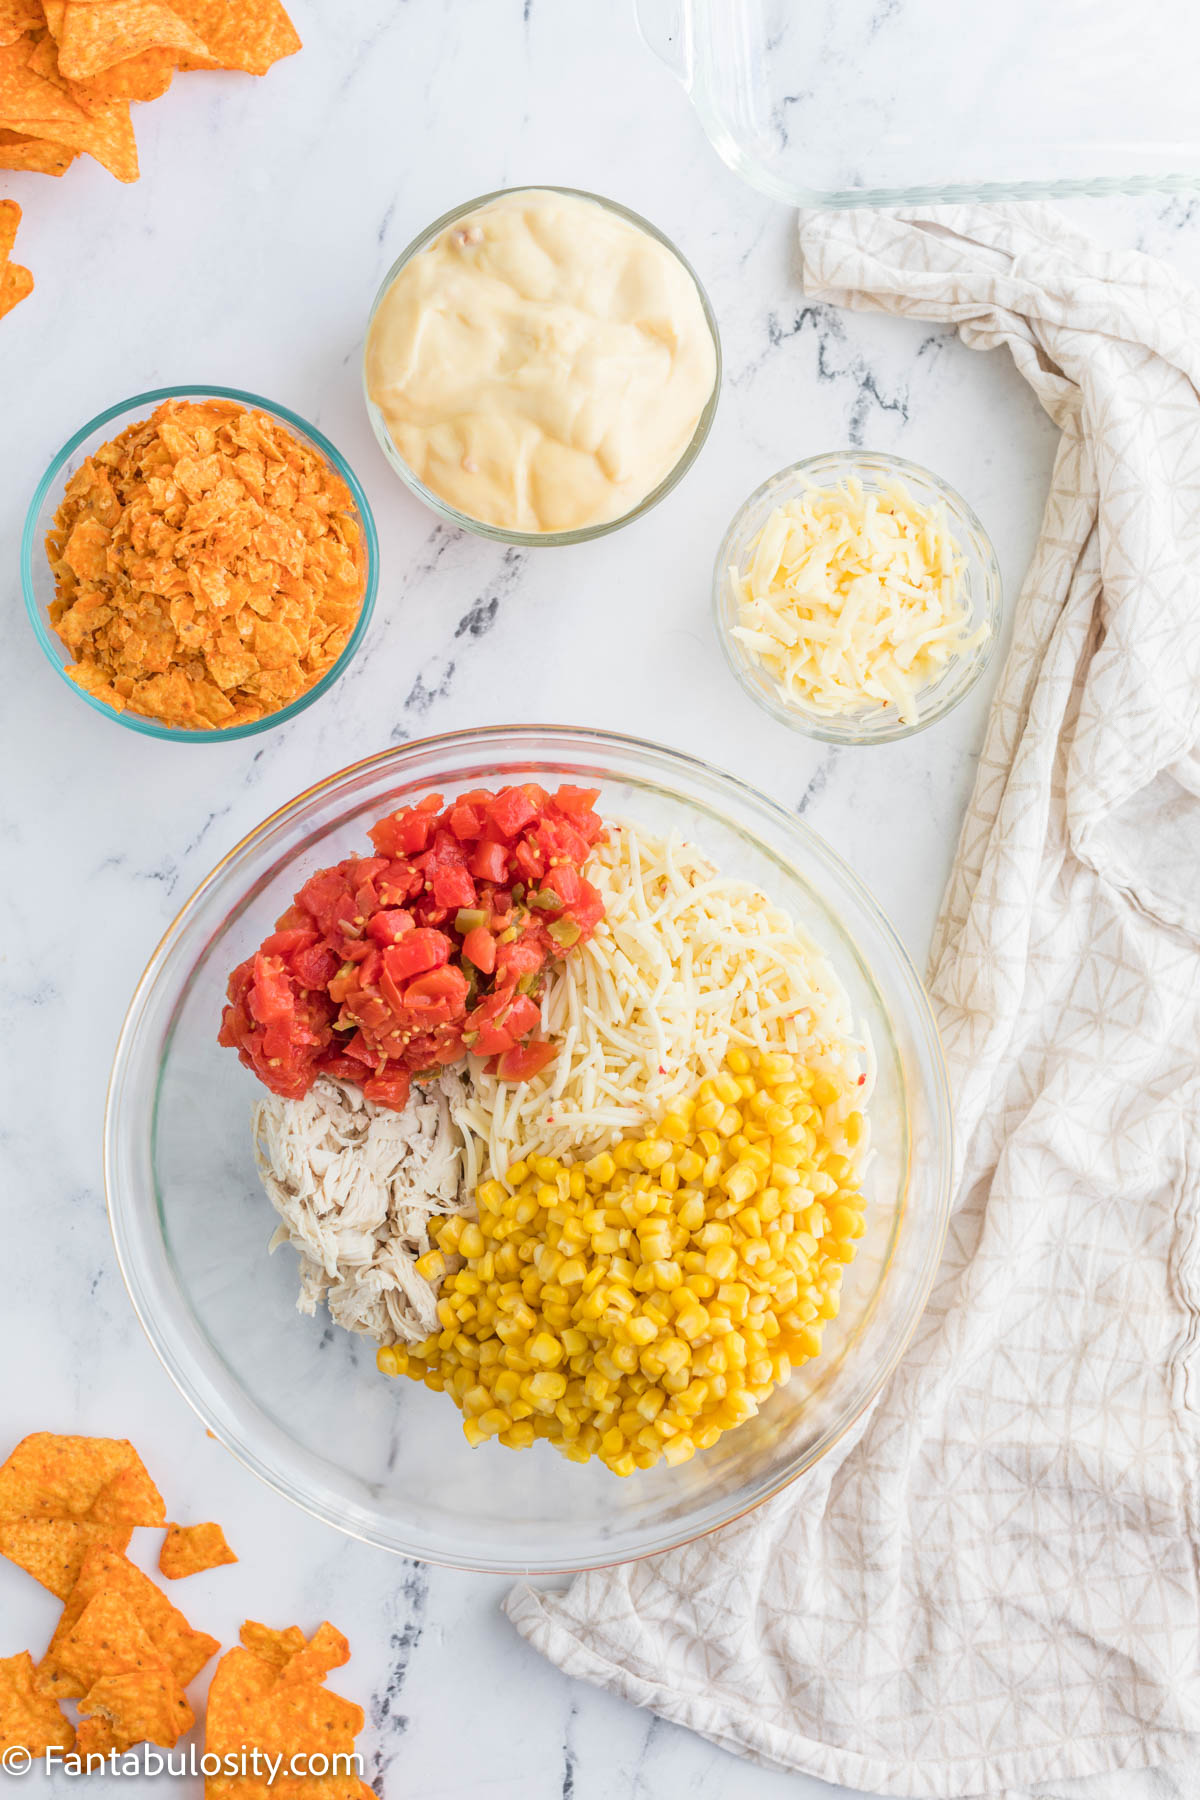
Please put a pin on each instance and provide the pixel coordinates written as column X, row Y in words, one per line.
column 857, row 597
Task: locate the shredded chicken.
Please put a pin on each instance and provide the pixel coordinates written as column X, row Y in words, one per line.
column 356, row 1185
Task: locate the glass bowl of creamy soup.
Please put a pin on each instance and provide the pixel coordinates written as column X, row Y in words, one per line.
column 541, row 366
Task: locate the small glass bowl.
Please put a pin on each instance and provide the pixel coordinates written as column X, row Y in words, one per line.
column 585, row 532
column 875, row 724
column 38, row 582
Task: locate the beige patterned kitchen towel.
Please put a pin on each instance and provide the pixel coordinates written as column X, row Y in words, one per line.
column 994, row 1588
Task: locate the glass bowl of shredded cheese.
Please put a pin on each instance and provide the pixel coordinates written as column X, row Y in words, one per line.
column 724, row 915
column 857, row 597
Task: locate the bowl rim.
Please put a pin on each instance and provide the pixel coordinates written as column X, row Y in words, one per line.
column 584, row 533
column 176, row 734
column 989, row 604
column 612, row 743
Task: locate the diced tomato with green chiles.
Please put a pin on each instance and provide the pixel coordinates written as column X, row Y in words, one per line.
column 393, row 964
column 489, row 861
column 524, row 1061
column 390, row 924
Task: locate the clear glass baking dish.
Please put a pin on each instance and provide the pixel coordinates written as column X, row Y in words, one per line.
column 890, row 102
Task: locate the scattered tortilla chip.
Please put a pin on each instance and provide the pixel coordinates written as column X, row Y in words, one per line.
column 10, row 218
column 95, row 34
column 145, row 77
column 145, row 1704
column 68, row 72
column 108, row 1638
column 53, row 1477
column 276, row 1648
column 18, row 17
column 190, row 1549
column 183, row 1650
column 130, row 1498
column 29, row 1719
column 269, row 1696
column 96, row 1737
column 36, row 102
column 38, row 156
column 53, row 1550
column 63, row 1496
column 238, row 34
column 326, row 1649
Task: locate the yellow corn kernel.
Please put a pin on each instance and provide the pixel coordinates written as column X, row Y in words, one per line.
column 721, row 1262
column 471, row 1242
column 739, row 1182
column 738, row 1062
column 689, row 1165
column 448, row 1232
column 387, row 1361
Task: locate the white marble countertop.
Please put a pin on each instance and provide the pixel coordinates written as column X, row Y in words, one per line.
column 248, row 255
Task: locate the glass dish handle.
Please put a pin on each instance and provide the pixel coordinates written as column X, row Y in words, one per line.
column 666, row 29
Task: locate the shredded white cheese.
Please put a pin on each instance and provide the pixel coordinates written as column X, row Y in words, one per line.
column 356, row 1185
column 853, row 597
column 685, row 965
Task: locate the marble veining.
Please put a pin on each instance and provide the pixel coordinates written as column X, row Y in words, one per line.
column 249, row 255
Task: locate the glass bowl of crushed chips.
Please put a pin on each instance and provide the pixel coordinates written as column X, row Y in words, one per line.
column 309, row 1406
column 199, row 563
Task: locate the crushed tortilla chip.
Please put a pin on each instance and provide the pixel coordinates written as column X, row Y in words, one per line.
column 29, row 1719
column 180, row 1649
column 209, row 567
column 268, row 1695
column 63, row 1496
column 190, row 1549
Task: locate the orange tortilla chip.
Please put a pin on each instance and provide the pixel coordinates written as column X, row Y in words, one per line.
column 36, row 155
column 96, row 34
column 145, row 77
column 53, row 1550
column 147, row 1703
column 326, row 1649
column 271, row 1646
column 10, row 218
column 29, row 1719
column 102, row 1479
column 130, row 1498
column 37, row 102
column 190, row 1549
column 108, row 1638
column 183, row 1650
column 269, row 1696
column 18, row 17
column 249, row 35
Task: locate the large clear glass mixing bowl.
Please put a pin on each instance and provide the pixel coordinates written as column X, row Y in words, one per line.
column 299, row 1401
